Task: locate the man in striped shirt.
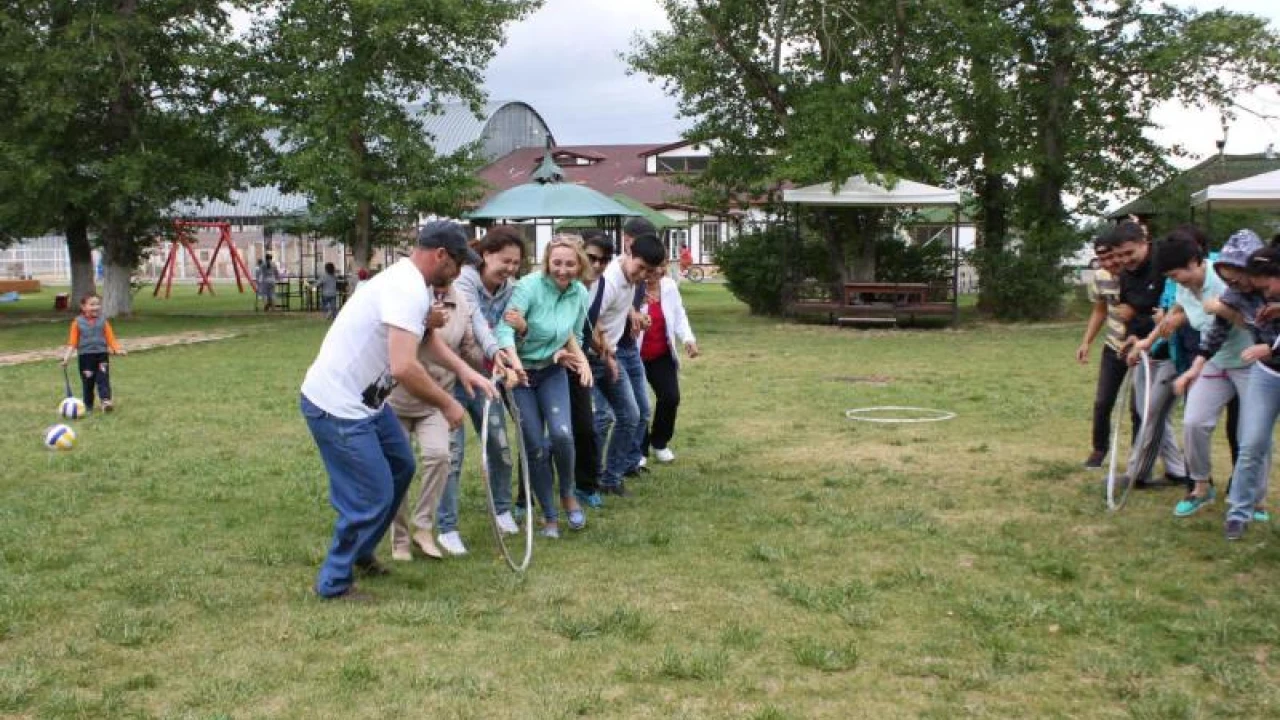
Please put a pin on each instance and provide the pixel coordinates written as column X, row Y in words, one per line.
column 1108, row 312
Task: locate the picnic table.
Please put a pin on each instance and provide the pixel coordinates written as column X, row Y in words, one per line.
column 871, row 293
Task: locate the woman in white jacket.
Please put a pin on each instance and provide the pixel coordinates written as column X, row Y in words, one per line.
column 659, row 349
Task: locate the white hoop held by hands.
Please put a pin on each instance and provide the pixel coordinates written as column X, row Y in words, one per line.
column 1117, row 492
column 914, row 414
column 520, row 465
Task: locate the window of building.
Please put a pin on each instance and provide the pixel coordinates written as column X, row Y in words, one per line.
column 710, row 242
column 681, row 164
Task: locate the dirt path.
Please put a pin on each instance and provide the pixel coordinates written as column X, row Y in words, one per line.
column 130, row 345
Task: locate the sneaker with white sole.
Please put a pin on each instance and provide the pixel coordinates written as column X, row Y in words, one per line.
column 452, row 543
column 507, row 524
column 644, row 463
column 664, row 455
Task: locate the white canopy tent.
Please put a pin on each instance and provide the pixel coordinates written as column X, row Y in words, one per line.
column 1259, row 191
column 857, row 191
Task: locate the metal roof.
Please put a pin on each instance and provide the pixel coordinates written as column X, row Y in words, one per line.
column 454, row 127
column 252, row 203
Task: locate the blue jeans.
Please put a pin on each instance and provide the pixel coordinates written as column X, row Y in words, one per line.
column 1258, row 411
column 629, row 358
column 615, row 406
column 499, row 452
column 370, row 465
column 547, row 423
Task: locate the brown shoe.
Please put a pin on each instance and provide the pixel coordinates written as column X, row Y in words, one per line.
column 427, row 544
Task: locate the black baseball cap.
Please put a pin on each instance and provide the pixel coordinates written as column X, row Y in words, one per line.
column 451, row 237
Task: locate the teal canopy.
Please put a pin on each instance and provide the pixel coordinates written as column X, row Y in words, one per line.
column 547, row 197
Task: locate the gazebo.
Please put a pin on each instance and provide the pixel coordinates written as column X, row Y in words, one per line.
column 1257, row 192
column 548, row 197
column 876, row 302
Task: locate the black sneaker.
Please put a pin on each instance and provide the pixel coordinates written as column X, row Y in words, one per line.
column 1234, row 529
column 372, row 568
column 1095, row 459
column 619, row 490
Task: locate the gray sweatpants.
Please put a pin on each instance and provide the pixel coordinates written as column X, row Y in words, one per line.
column 1209, row 394
column 1157, row 431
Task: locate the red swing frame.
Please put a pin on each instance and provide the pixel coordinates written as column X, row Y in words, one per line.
column 182, row 240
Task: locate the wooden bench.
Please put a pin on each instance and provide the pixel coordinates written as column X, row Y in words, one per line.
column 22, row 287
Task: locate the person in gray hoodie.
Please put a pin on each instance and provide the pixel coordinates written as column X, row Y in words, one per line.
column 1260, row 407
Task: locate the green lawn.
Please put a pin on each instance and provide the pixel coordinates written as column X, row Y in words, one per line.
column 33, row 324
column 790, row 564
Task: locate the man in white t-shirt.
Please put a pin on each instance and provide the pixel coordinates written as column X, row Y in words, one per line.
column 370, row 348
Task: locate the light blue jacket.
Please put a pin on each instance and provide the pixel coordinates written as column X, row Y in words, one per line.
column 551, row 314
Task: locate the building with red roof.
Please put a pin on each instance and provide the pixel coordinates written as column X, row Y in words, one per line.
column 649, row 173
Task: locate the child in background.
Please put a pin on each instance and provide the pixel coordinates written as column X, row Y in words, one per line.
column 93, row 340
column 329, row 291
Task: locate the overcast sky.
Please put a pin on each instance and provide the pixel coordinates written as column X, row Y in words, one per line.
column 563, row 60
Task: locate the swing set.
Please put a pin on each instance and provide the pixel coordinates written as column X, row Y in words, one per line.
column 183, row 239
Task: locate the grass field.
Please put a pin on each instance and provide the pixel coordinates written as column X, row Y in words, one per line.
column 790, row 564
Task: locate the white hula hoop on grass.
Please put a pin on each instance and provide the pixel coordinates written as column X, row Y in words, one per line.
column 1118, row 496
column 923, row 415
column 521, row 468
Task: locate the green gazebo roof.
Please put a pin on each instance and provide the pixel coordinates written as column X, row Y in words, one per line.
column 659, row 220
column 547, row 196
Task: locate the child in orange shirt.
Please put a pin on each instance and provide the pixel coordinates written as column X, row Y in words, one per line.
column 92, row 339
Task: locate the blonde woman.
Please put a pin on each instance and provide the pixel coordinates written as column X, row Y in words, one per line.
column 539, row 337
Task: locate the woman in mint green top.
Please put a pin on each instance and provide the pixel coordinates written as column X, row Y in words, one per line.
column 538, row 335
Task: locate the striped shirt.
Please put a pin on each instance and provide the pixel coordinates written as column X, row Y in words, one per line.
column 1106, row 287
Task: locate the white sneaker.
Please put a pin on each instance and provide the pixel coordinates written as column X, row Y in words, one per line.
column 664, row 455
column 644, row 462
column 507, row 524
column 452, row 543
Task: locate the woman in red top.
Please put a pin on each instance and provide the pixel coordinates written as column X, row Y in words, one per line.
column 668, row 328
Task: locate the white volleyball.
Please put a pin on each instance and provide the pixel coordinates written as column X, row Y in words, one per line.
column 60, row 437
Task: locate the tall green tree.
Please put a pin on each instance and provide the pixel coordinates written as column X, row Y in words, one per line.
column 804, row 91
column 120, row 109
column 345, row 83
column 1042, row 109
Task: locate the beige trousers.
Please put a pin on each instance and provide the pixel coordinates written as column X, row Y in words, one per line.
column 431, row 432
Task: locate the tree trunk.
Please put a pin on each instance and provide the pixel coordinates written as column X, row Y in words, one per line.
column 1055, row 115
column 117, row 289
column 81, row 254
column 835, row 253
column 119, row 258
column 362, row 249
column 864, row 225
